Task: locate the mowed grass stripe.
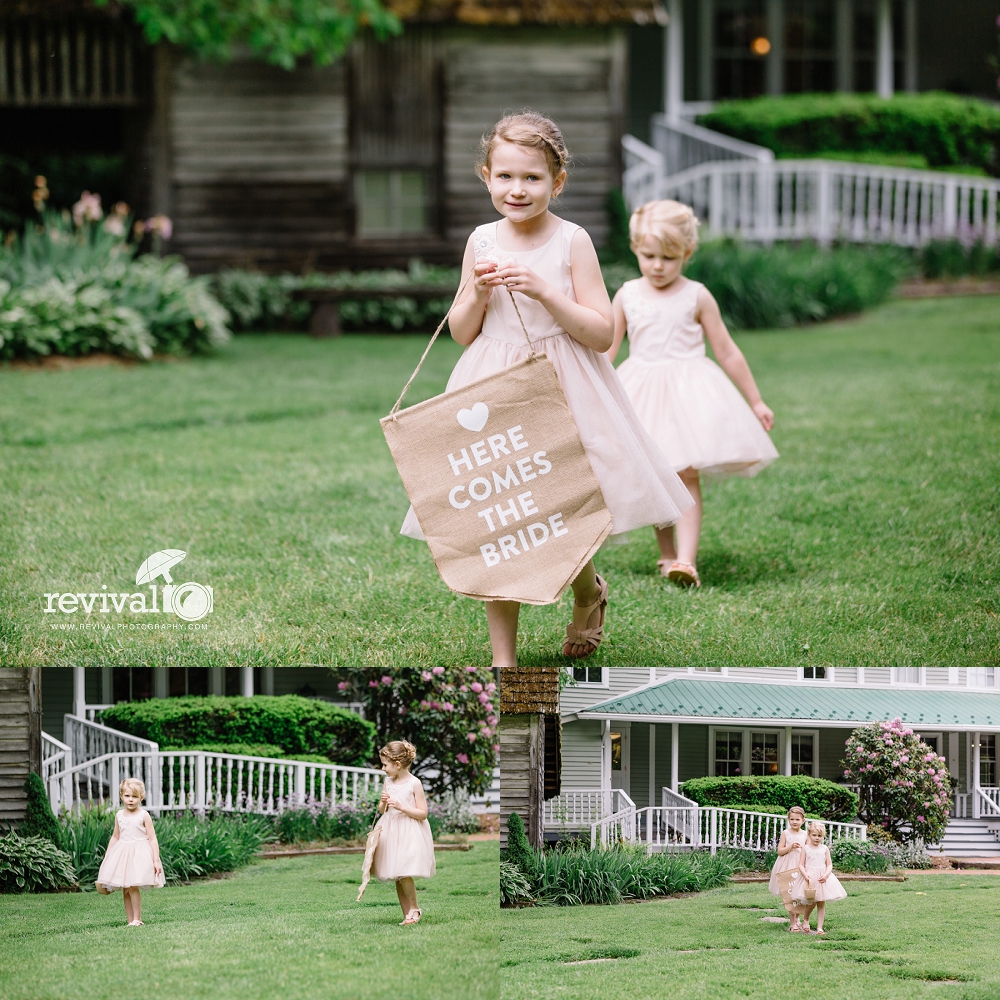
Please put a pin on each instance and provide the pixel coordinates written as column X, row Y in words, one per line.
column 873, row 540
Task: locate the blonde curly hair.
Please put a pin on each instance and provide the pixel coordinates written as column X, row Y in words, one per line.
column 672, row 224
column 526, row 128
column 132, row 785
column 399, row 752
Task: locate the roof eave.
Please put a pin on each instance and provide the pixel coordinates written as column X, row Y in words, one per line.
column 801, row 723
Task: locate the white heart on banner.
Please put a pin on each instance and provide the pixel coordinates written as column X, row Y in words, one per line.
column 475, row 418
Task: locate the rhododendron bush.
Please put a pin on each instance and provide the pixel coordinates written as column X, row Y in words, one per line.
column 904, row 786
column 447, row 713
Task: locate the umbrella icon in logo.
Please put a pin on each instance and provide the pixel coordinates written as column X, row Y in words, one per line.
column 159, row 564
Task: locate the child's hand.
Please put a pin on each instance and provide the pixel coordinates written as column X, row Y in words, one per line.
column 486, row 278
column 392, row 803
column 518, row 278
column 157, row 868
column 822, row 878
column 765, row 415
column 384, row 799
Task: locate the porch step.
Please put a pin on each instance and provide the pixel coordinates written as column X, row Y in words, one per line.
column 970, row 838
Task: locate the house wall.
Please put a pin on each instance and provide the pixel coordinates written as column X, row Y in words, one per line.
column 581, row 754
column 522, row 770
column 20, row 737
column 259, row 158
column 57, row 698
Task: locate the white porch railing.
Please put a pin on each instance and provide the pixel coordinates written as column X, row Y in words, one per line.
column 199, row 781
column 90, row 740
column 580, row 808
column 684, row 144
column 961, row 802
column 823, row 200
column 90, row 711
column 668, row 828
column 986, row 803
column 756, row 831
column 56, row 756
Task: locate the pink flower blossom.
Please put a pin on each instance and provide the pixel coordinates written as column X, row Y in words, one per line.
column 88, row 209
column 426, row 675
column 470, row 670
column 438, row 671
column 462, row 758
column 496, row 748
column 492, row 720
column 464, row 689
column 471, row 737
column 491, row 687
column 476, row 686
column 484, row 698
column 424, row 705
column 160, row 225
column 373, row 684
column 448, row 706
column 436, row 704
column 342, row 686
column 386, row 679
column 920, row 819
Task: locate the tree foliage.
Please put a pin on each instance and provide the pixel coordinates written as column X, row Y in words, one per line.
column 281, row 31
column 905, row 787
column 447, row 713
column 39, row 820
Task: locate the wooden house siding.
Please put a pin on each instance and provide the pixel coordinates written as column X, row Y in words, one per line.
column 581, row 754
column 522, row 779
column 260, row 160
column 20, row 737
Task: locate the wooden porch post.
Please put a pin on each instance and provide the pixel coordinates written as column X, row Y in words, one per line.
column 161, row 682
column 246, row 682
column 674, row 746
column 35, row 719
column 217, row 680
column 884, row 83
column 79, row 692
column 673, row 62
column 975, row 775
column 788, row 751
column 652, row 764
column 606, row 756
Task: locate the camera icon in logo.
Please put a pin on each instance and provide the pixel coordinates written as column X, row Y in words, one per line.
column 189, row 601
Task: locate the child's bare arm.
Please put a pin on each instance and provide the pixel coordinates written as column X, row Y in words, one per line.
column 466, row 319
column 418, row 810
column 115, row 834
column 730, row 357
column 621, row 328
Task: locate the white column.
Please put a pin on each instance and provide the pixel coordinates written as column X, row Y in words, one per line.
column 674, row 751
column 246, row 681
column 161, row 682
column 975, row 775
column 788, row 751
column 844, row 42
column 776, row 57
column 884, row 83
column 652, row 765
column 910, row 45
column 673, row 60
column 606, row 756
column 706, row 50
column 79, row 692
column 267, row 680
column 217, row 680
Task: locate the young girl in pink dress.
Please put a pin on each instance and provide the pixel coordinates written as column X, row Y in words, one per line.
column 132, row 861
column 405, row 848
column 786, row 867
column 551, row 268
column 692, row 411
column 816, row 884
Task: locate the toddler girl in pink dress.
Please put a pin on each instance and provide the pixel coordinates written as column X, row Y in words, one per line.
column 550, row 268
column 816, row 884
column 786, row 867
column 405, row 848
column 684, row 400
column 132, row 861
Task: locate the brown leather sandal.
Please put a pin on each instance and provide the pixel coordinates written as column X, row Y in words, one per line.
column 681, row 573
column 593, row 631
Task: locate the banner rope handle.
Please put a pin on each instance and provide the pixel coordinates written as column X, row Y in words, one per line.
column 423, row 357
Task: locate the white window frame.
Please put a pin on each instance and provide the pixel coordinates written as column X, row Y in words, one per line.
column 745, row 753
column 716, row 671
column 828, row 679
column 939, row 735
column 972, row 672
column 814, row 733
column 603, row 683
column 921, row 677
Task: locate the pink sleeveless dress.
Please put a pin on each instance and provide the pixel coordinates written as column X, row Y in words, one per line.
column 684, row 399
column 786, row 867
column 405, row 847
column 639, row 486
column 815, row 865
column 129, row 862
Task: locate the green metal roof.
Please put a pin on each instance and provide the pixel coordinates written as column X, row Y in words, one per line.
column 694, row 699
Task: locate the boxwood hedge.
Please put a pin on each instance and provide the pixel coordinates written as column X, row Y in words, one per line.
column 298, row 725
column 817, row 796
column 949, row 130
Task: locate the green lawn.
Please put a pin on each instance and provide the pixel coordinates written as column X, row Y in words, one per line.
column 889, row 940
column 873, row 540
column 286, row 928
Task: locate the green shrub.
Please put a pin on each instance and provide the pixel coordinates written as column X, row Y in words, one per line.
column 947, row 129
column 39, row 820
column 514, row 885
column 452, row 813
column 326, row 821
column 607, row 876
column 84, row 836
column 297, row 725
column 72, row 290
column 953, row 259
column 33, row 864
column 770, row 810
column 518, row 851
column 816, row 795
column 860, row 856
column 265, row 302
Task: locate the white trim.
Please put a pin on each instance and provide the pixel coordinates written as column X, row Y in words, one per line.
column 814, row 733
column 972, row 672
column 652, row 763
column 674, row 757
column 829, row 673
column 604, row 682
column 747, row 731
column 935, row 733
column 895, row 674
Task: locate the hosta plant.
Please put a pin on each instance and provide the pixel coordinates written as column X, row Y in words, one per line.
column 33, row 864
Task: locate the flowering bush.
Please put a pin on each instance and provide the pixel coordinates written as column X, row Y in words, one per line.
column 905, row 786
column 74, row 285
column 324, row 819
column 447, row 713
column 452, row 813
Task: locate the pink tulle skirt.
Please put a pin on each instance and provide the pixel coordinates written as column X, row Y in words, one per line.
column 129, row 864
column 405, row 848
